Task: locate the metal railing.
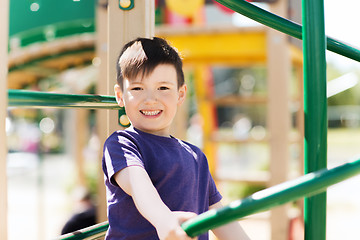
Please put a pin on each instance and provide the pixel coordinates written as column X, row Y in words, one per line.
column 286, row 26
column 34, row 99
column 94, row 232
column 304, row 186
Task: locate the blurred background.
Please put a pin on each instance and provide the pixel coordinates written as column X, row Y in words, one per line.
column 52, row 153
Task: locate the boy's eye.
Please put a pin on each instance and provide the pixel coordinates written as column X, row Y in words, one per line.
column 136, row 88
column 163, row 88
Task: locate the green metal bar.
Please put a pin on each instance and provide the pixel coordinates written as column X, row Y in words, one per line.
column 54, row 31
column 33, row 99
column 315, row 110
column 34, row 61
column 93, row 232
column 288, row 27
column 306, row 185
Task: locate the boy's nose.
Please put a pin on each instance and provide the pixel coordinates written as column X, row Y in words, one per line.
column 150, row 97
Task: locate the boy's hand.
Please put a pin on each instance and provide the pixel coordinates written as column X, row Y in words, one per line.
column 172, row 229
column 135, row 181
column 183, row 216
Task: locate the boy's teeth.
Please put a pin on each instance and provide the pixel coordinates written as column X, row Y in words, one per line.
column 150, row 113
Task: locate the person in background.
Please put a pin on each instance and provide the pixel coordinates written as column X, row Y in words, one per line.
column 85, row 212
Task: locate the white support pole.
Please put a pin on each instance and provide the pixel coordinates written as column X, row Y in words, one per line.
column 279, row 118
column 4, row 33
column 101, row 115
column 122, row 26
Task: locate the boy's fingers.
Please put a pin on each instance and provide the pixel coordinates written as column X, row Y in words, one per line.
column 184, row 216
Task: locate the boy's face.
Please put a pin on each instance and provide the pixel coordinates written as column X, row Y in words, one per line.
column 151, row 101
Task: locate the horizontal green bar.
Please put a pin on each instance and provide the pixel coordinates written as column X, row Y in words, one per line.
column 38, row 59
column 53, row 31
column 283, row 25
column 93, row 232
column 33, row 99
column 305, row 186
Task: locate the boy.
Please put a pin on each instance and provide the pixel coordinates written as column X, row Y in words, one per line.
column 154, row 181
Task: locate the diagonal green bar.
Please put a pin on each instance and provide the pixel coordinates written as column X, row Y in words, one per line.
column 92, row 232
column 33, row 99
column 307, row 185
column 304, row 186
column 288, row 27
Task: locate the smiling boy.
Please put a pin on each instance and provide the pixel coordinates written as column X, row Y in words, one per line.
column 154, row 181
column 151, row 104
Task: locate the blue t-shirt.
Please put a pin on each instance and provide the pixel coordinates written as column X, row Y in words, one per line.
column 178, row 170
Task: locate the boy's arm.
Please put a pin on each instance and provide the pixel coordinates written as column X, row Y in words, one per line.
column 135, row 181
column 229, row 231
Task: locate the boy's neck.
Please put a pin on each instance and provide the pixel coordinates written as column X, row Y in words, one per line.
column 167, row 135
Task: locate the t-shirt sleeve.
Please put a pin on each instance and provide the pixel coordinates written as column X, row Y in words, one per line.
column 120, row 152
column 214, row 194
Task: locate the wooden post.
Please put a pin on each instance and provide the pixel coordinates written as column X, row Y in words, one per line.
column 300, row 116
column 82, row 134
column 279, row 118
column 102, row 115
column 4, row 33
column 122, row 26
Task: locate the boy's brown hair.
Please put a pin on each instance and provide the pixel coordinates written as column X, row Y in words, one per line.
column 143, row 55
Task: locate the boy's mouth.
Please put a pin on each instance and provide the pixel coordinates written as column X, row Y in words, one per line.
column 150, row 112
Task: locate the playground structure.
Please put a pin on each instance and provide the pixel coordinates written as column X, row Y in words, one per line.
column 81, row 101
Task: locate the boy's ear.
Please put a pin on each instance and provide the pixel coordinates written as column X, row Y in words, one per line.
column 182, row 94
column 118, row 95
